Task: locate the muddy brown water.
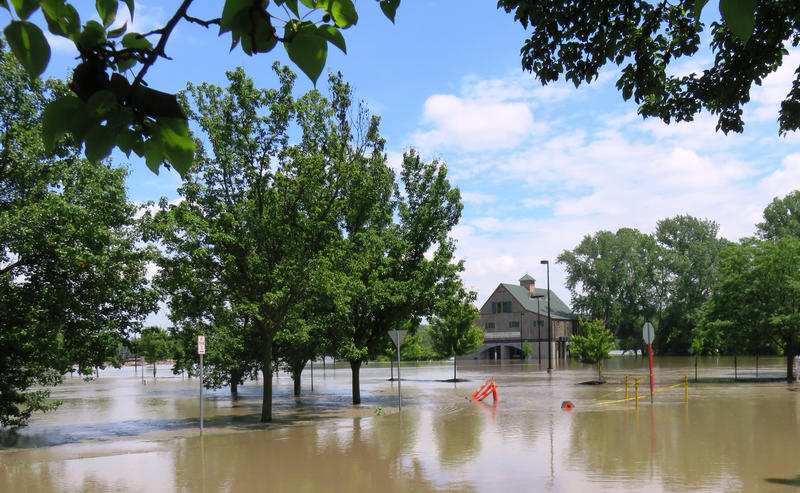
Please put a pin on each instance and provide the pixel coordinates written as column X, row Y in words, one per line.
column 115, row 434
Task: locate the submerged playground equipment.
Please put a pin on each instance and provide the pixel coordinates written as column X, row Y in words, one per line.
column 487, row 388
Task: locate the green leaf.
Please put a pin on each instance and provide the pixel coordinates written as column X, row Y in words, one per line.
column 129, row 3
column 333, row 35
column 93, row 35
column 389, row 8
column 136, row 41
column 127, row 139
column 107, row 10
column 343, row 13
column 115, row 33
column 25, row 8
column 308, row 51
column 292, row 4
column 699, row 5
column 739, row 17
column 29, row 45
column 154, row 152
column 99, row 142
column 309, row 3
column 102, row 103
column 177, row 142
column 125, row 64
column 56, row 119
column 62, row 19
column 230, row 12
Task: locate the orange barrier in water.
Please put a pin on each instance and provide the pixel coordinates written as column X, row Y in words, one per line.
column 487, row 388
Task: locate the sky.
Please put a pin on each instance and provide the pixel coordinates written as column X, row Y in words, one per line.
column 538, row 167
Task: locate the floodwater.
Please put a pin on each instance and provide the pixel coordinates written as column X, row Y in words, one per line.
column 116, row 434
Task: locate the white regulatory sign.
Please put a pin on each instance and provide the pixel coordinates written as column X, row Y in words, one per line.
column 201, row 344
column 648, row 333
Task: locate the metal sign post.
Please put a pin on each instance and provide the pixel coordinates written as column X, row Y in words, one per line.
column 201, row 350
column 648, row 334
column 397, row 338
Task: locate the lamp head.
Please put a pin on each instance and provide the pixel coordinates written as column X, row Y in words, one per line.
column 544, row 262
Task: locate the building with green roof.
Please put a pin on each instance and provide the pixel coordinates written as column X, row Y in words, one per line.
column 517, row 313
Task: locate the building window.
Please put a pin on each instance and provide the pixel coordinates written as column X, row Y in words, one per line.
column 513, row 325
column 507, row 307
column 494, row 307
column 489, row 325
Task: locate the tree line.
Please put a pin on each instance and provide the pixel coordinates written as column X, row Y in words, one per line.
column 703, row 293
column 292, row 239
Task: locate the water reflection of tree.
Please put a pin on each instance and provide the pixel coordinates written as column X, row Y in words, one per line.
column 347, row 455
column 458, row 433
column 742, row 438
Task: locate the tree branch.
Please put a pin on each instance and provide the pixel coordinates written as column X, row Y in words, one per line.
column 165, row 33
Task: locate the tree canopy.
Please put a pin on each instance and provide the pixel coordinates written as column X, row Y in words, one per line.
column 756, row 302
column 72, row 278
column 108, row 109
column 576, row 39
column 594, row 346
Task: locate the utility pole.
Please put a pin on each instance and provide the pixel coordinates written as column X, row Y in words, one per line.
column 549, row 322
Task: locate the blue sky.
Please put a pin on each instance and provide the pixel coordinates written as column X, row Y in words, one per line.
column 538, row 167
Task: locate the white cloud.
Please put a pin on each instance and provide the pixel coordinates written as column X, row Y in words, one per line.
column 783, row 180
column 598, row 166
column 477, row 198
column 472, row 124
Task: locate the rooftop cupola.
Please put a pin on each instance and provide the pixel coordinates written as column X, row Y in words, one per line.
column 528, row 282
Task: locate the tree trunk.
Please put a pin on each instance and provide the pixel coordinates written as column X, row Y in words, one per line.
column 266, row 401
column 454, row 369
column 789, row 366
column 236, row 377
column 154, row 370
column 297, row 372
column 355, row 366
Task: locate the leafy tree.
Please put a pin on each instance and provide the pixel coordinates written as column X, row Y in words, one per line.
column 577, row 38
column 72, row 280
column 259, row 216
column 112, row 111
column 453, row 330
column 781, row 218
column 390, row 281
column 154, row 344
column 690, row 255
column 757, row 300
column 592, row 348
column 613, row 277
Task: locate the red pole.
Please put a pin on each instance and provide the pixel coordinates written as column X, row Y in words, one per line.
column 651, row 372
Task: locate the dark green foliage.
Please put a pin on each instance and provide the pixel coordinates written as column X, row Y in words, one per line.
column 154, row 344
column 781, row 218
column 105, row 111
column 593, row 346
column 756, row 303
column 72, row 283
column 453, row 329
column 388, row 281
column 689, row 266
column 613, row 277
column 576, row 39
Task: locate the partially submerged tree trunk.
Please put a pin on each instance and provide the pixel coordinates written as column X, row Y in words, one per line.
column 154, row 370
column 297, row 373
column 266, row 402
column 355, row 367
column 454, row 368
column 790, row 366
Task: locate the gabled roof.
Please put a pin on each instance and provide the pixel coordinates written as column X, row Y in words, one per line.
column 558, row 309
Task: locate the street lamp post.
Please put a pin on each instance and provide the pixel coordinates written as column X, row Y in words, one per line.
column 549, row 322
column 538, row 326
